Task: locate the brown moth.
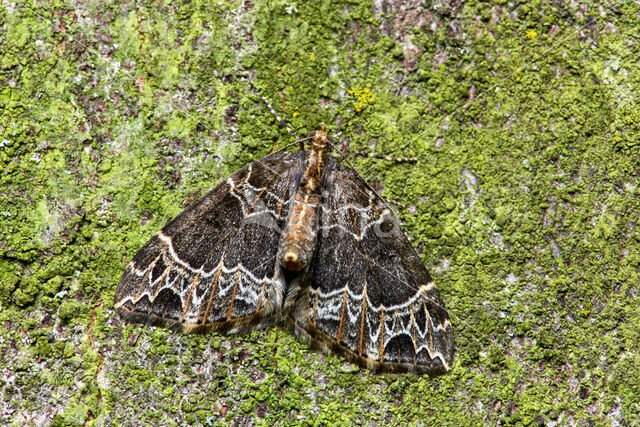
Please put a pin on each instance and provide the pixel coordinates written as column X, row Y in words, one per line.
column 301, row 238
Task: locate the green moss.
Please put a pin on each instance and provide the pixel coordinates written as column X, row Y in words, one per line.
column 74, row 415
column 26, row 292
column 8, row 283
column 53, row 285
column 70, row 310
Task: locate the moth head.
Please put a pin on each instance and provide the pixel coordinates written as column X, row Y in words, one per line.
column 320, row 139
column 322, row 130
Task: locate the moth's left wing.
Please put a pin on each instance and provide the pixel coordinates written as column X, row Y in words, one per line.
column 368, row 295
column 214, row 266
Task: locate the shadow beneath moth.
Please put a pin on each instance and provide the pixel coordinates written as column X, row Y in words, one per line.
column 301, row 238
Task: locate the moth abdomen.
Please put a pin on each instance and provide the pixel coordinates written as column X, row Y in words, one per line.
column 299, row 237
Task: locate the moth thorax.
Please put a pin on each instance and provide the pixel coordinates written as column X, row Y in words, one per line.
column 319, row 141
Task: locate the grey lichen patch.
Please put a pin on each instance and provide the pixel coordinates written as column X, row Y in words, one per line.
column 524, row 121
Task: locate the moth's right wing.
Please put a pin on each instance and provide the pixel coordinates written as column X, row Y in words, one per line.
column 368, row 294
column 214, row 266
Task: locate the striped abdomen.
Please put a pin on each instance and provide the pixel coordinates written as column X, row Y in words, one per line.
column 299, row 236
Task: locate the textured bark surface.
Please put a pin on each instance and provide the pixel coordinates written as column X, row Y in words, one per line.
column 523, row 204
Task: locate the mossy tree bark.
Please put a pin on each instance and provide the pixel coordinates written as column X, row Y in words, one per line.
column 523, row 203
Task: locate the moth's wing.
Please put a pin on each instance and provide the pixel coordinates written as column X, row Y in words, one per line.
column 214, row 266
column 369, row 296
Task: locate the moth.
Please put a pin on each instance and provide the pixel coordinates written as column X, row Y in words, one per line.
column 299, row 237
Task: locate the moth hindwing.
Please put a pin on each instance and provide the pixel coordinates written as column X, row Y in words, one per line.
column 300, row 237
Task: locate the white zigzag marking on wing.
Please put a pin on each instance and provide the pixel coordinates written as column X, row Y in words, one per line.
column 369, row 224
column 256, row 214
column 233, row 186
column 332, row 307
column 248, row 196
column 358, row 297
column 247, row 279
column 187, row 267
column 257, row 190
column 248, row 191
column 254, row 217
column 246, row 290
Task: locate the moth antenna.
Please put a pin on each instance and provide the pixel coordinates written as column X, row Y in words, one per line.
column 387, row 158
column 338, row 151
column 351, row 166
column 391, row 202
column 292, row 133
column 398, row 204
column 298, row 141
